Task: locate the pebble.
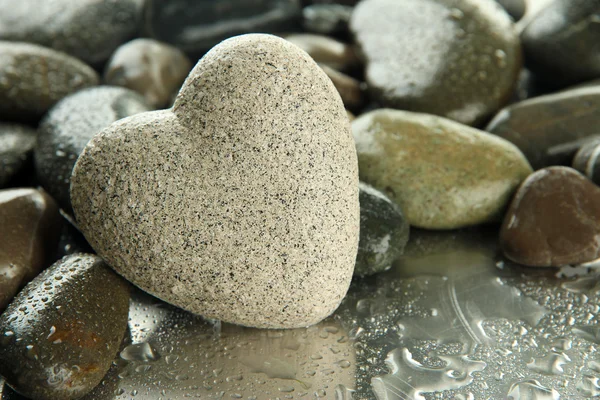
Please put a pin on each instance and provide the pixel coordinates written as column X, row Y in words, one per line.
column 326, row 51
column 586, row 160
column 327, row 19
column 70, row 125
column 457, row 59
column 196, row 25
column 444, row 175
column 87, row 29
column 60, row 335
column 562, row 42
column 554, row 220
column 30, row 221
column 155, row 70
column 350, row 90
column 34, row 78
column 251, row 180
column 383, row 232
column 16, row 147
column 538, row 125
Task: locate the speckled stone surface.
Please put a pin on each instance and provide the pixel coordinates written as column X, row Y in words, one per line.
column 538, row 125
column 59, row 336
column 69, row 126
column 34, row 78
column 240, row 203
column 444, row 175
column 456, row 58
column 155, row 70
column 87, row 29
column 383, row 232
column 553, row 220
column 16, row 146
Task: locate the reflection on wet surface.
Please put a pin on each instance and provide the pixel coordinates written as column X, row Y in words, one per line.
column 458, row 325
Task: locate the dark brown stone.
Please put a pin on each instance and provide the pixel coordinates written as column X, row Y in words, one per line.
column 554, row 220
column 586, row 160
column 538, row 125
column 350, row 90
column 60, row 335
column 30, row 226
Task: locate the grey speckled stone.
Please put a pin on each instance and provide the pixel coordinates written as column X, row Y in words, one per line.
column 459, row 59
column 153, row 69
column 70, row 125
column 34, row 78
column 240, row 203
column 16, row 146
column 383, row 232
column 87, row 29
column 443, row 174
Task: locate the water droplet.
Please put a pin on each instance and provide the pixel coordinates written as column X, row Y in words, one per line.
column 500, row 57
column 531, row 390
column 139, row 352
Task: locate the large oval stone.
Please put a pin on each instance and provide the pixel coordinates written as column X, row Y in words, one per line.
column 240, row 203
column 30, row 227
column 34, row 78
column 540, row 125
column 443, row 174
column 61, row 333
column 69, row 126
column 553, row 220
column 458, row 59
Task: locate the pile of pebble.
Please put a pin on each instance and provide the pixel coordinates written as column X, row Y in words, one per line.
column 244, row 188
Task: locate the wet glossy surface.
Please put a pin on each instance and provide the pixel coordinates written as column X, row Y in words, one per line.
column 461, row 325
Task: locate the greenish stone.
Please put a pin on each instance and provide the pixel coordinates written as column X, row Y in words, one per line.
column 383, row 232
column 60, row 335
column 444, row 175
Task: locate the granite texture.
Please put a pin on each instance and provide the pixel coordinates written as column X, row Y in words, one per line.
column 240, row 203
column 69, row 126
column 34, row 78
column 444, row 175
column 553, row 220
column 16, row 147
column 59, row 336
column 459, row 59
column 155, row 70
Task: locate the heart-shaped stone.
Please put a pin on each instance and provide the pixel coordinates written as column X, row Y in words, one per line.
column 241, row 202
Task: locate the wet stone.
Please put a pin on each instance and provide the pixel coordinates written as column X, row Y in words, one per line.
column 34, row 78
column 67, row 25
column 326, row 19
column 16, row 147
column 196, row 25
column 153, row 69
column 61, row 333
column 326, row 51
column 250, row 170
column 30, row 224
column 456, row 59
column 553, row 220
column 562, row 41
column 537, row 126
column 586, row 160
column 383, row 232
column 443, row 174
column 69, row 126
column 351, row 91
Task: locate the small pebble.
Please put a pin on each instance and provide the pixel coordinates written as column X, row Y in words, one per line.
column 554, row 220
column 70, row 125
column 16, row 148
column 59, row 336
column 383, row 232
column 240, row 203
column 457, row 59
column 444, row 175
column 562, row 42
column 87, row 29
column 30, row 222
column 536, row 126
column 326, row 19
column 586, row 160
column 350, row 90
column 326, row 51
column 153, row 69
column 34, row 78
